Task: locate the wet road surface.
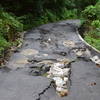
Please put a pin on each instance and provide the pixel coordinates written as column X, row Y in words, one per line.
column 47, row 44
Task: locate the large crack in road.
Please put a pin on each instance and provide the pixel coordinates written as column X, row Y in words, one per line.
column 24, row 77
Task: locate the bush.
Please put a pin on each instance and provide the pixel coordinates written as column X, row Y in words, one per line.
column 3, row 44
column 93, row 41
column 96, row 24
column 93, row 38
column 92, row 12
column 9, row 25
column 9, row 28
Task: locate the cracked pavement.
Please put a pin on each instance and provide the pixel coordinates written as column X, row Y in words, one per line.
column 47, row 44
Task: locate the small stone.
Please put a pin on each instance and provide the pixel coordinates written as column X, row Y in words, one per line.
column 60, row 83
column 63, row 53
column 45, row 54
column 49, row 39
column 64, row 61
column 49, row 75
column 65, row 93
column 95, row 59
column 60, row 52
column 59, row 65
column 46, row 68
column 66, row 71
column 19, row 46
column 98, row 62
column 57, row 71
column 42, row 72
column 66, row 79
column 60, row 89
column 35, row 72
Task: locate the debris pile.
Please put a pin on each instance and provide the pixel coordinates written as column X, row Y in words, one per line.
column 59, row 72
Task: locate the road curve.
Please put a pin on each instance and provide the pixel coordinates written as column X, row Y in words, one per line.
column 51, row 42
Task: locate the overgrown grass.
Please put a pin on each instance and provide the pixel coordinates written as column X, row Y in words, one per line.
column 92, row 23
column 93, row 38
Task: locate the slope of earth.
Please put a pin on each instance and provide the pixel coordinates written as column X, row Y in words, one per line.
column 47, row 44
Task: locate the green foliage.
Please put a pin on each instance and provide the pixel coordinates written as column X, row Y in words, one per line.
column 42, row 12
column 92, row 12
column 96, row 24
column 93, row 38
column 83, row 22
column 68, row 14
column 9, row 28
column 51, row 16
column 3, row 44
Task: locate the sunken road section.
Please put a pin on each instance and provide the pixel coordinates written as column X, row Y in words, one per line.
column 52, row 64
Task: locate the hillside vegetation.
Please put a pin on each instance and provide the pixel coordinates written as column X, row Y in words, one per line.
column 92, row 22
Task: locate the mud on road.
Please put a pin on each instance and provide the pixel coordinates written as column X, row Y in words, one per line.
column 24, row 77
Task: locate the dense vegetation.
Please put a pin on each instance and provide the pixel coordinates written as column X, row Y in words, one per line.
column 9, row 28
column 19, row 15
column 92, row 21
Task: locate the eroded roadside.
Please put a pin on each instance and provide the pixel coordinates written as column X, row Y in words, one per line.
column 52, row 61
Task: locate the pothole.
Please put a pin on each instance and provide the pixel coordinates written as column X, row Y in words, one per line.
column 58, row 71
column 68, row 43
column 22, row 61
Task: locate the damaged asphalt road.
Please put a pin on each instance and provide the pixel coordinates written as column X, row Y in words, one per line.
column 22, row 78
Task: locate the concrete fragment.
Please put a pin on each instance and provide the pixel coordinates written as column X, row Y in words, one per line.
column 96, row 60
column 59, row 82
column 45, row 54
column 59, row 65
column 64, row 61
column 65, row 71
column 66, row 79
column 57, row 71
column 60, row 89
column 63, row 93
column 60, row 72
